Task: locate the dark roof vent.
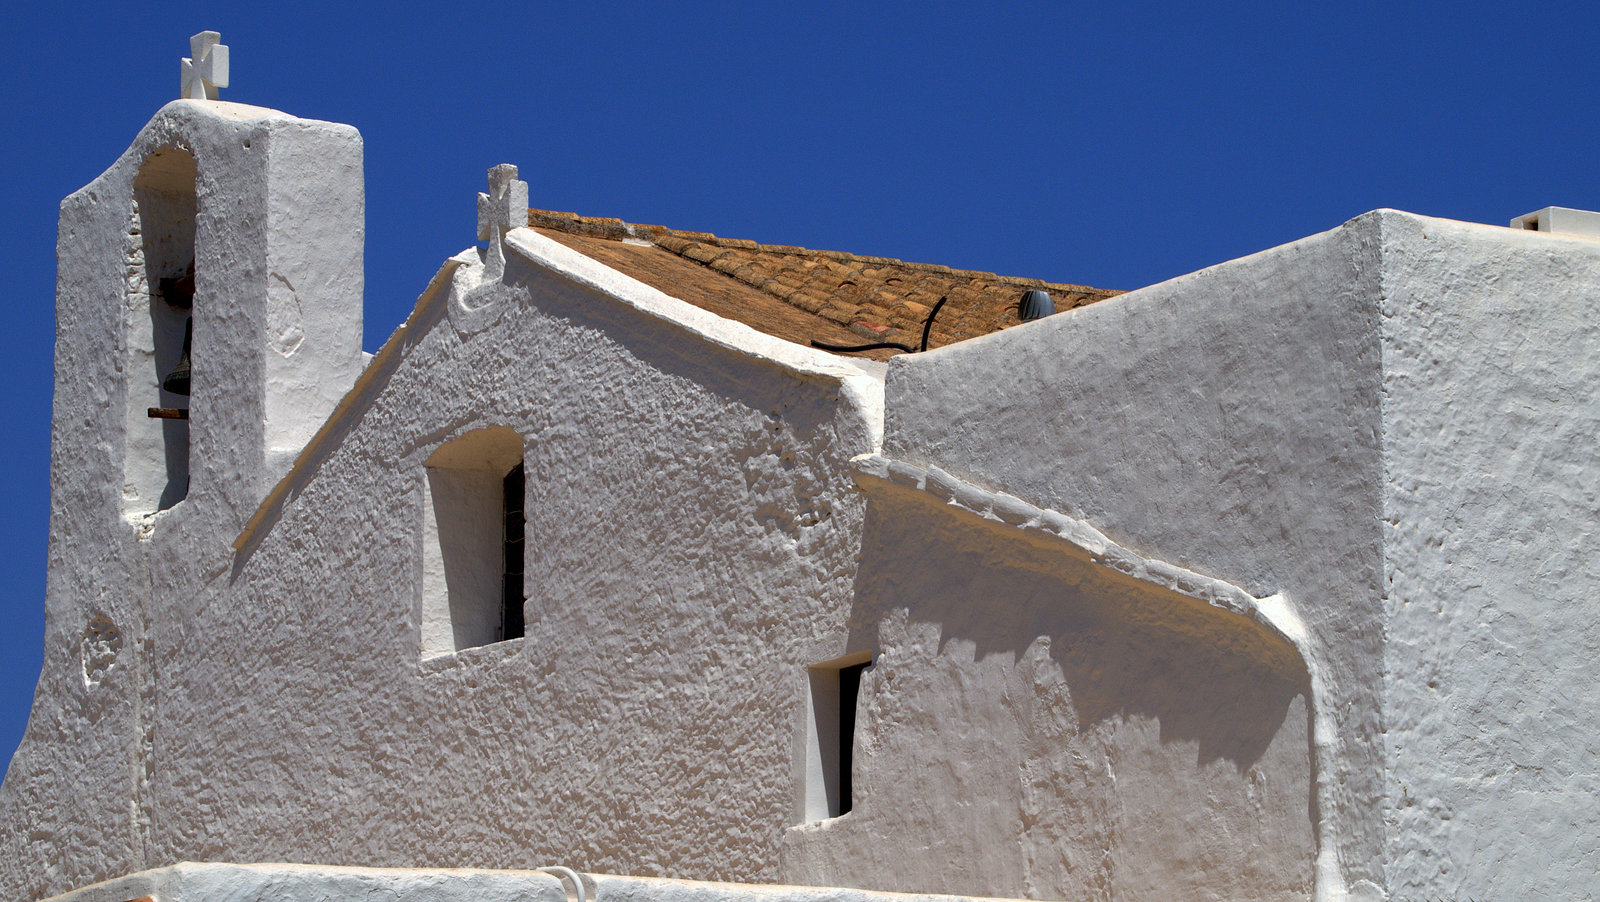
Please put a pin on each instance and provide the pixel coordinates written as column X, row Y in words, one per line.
column 1035, row 304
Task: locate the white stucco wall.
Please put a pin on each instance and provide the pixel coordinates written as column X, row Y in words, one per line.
column 1389, row 425
column 1227, row 422
column 199, row 882
column 694, row 541
column 692, row 528
column 694, row 544
column 1491, row 430
column 1041, row 725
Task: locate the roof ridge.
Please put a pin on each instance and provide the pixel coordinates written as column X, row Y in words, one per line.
column 617, row 230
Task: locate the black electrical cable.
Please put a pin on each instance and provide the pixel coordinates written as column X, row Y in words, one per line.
column 873, row 347
column 926, row 328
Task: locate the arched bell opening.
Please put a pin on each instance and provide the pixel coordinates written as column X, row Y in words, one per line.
column 159, row 306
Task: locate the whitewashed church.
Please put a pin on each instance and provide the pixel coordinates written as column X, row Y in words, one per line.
column 601, row 581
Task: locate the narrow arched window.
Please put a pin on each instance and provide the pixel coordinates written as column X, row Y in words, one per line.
column 160, row 278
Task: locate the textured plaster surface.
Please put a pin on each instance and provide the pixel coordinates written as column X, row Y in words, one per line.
column 78, row 799
column 1228, row 422
column 692, row 529
column 1390, row 427
column 1040, row 723
column 195, row 882
column 1491, row 358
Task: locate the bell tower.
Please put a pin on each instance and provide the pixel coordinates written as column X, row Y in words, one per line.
column 208, row 320
column 209, row 289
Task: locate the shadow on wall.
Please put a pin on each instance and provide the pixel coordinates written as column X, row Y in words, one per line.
column 1125, row 648
column 1063, row 729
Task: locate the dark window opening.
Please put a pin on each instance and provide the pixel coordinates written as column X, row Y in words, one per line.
column 849, row 691
column 511, row 582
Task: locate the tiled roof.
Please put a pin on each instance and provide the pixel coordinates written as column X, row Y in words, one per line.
column 800, row 294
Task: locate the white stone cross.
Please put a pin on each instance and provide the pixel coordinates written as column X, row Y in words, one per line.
column 504, row 208
column 207, row 69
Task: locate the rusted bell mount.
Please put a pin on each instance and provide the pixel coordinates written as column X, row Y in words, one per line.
column 178, row 291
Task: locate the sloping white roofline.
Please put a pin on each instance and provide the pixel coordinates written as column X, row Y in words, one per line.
column 860, row 382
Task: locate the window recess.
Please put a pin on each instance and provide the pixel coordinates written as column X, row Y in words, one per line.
column 473, row 585
column 830, row 735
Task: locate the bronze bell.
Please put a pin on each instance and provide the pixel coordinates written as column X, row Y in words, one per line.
column 177, row 381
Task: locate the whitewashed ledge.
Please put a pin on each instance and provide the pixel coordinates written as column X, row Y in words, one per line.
column 1273, row 612
column 195, row 882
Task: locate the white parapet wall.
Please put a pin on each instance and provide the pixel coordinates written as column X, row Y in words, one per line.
column 220, row 882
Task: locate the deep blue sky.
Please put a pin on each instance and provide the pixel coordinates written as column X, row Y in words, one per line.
column 1113, row 145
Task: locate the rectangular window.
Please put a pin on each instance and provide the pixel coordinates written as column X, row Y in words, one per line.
column 830, row 736
column 473, row 527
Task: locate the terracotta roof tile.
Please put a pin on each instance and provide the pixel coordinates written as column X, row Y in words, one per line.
column 801, row 294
